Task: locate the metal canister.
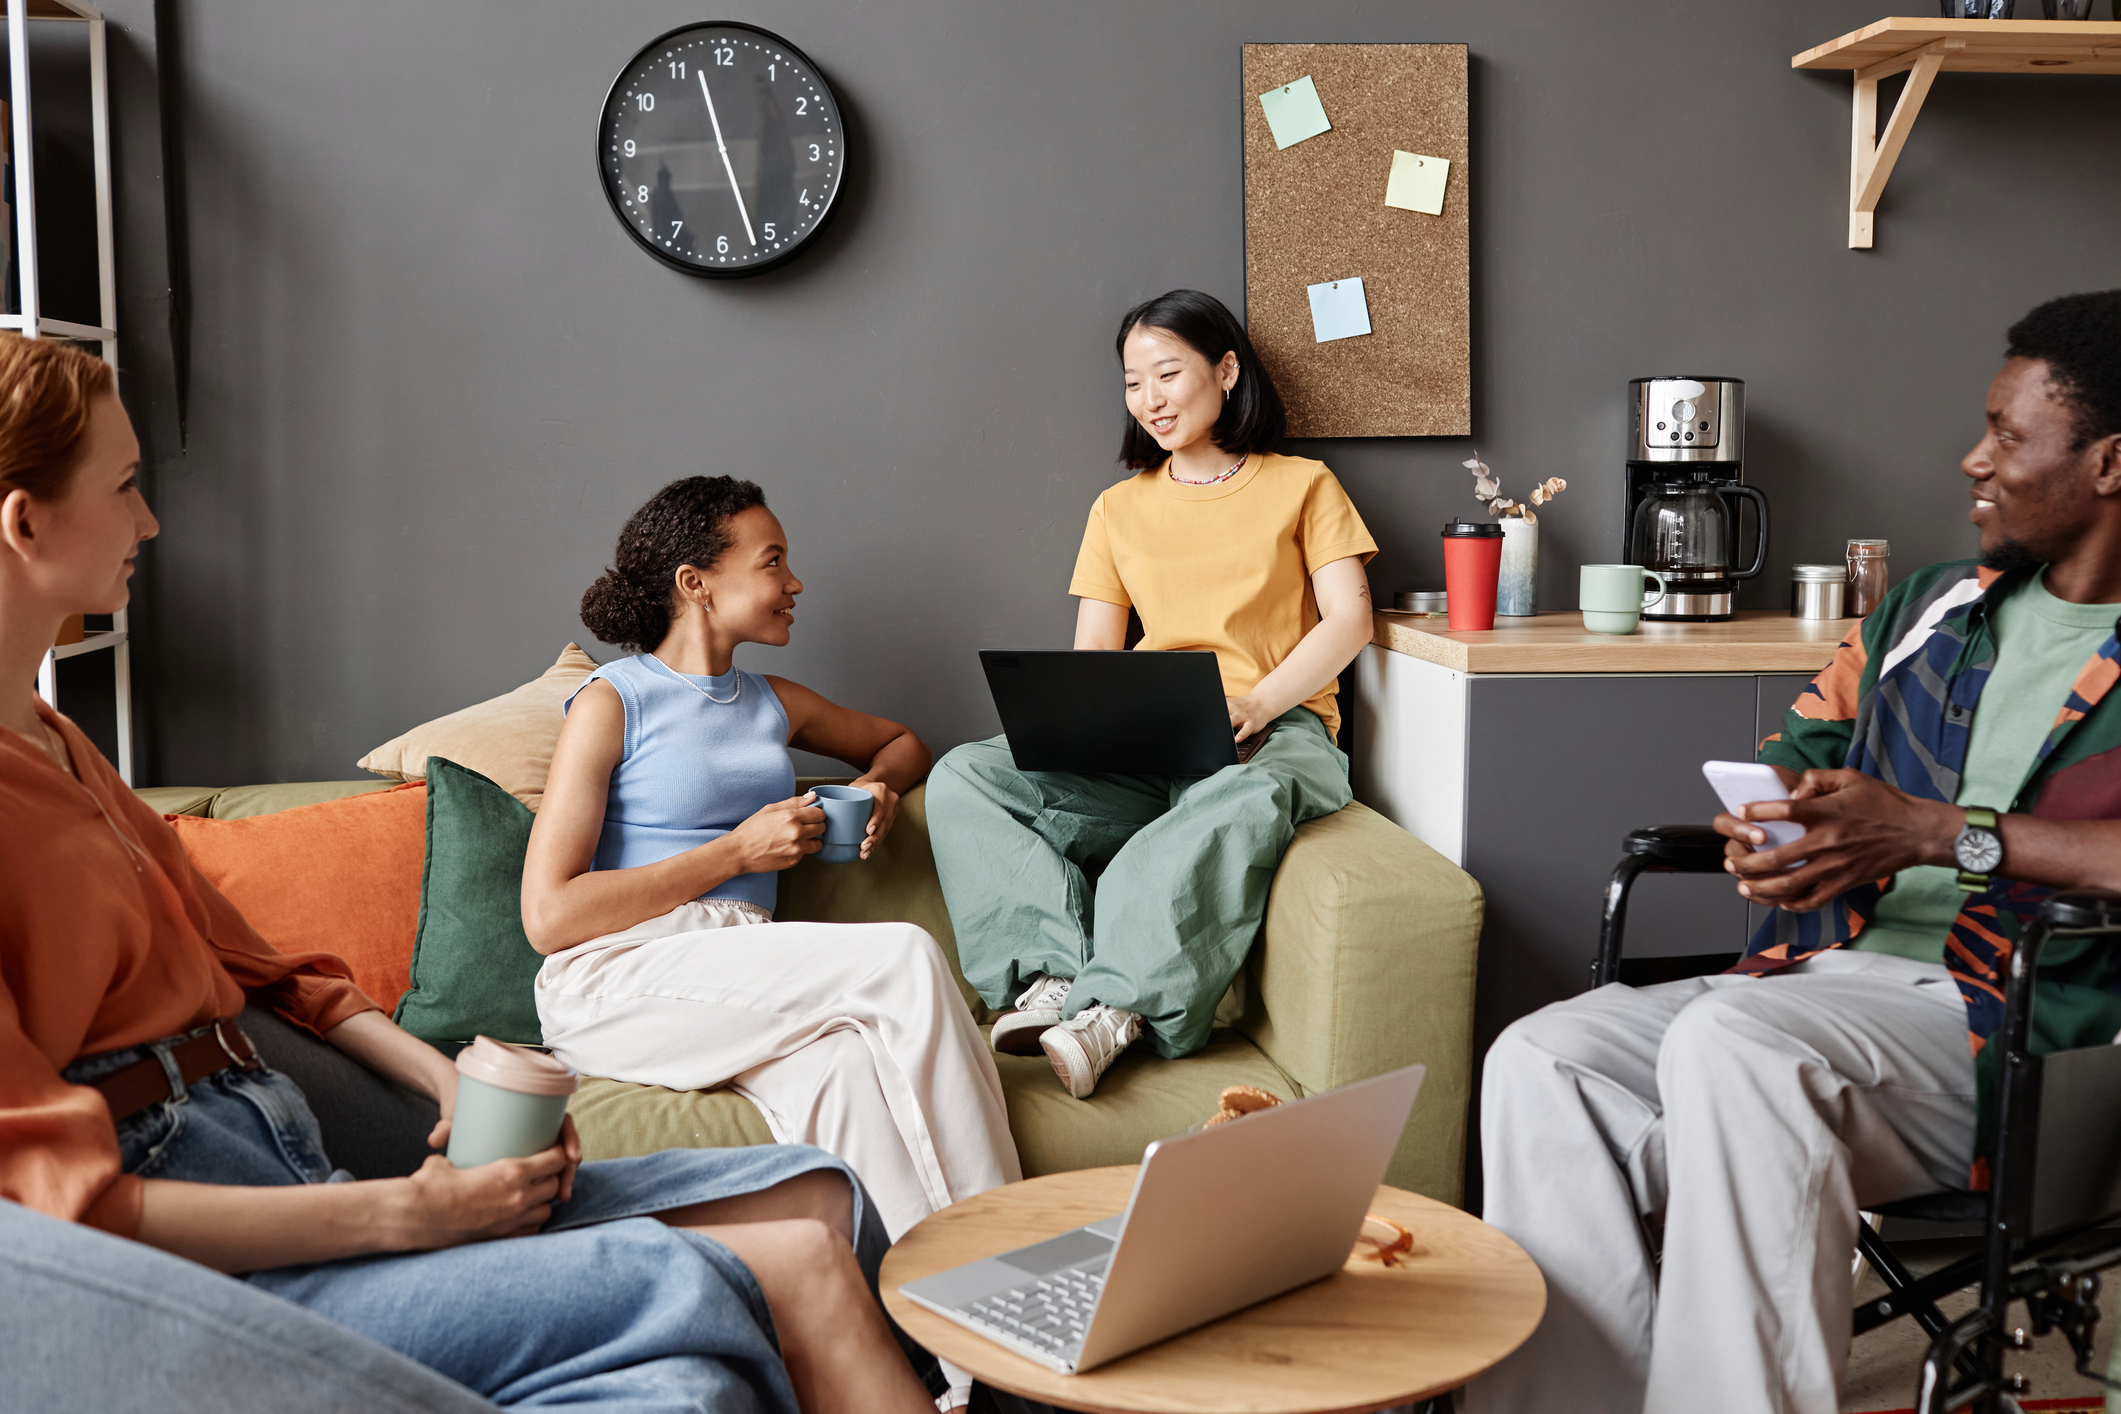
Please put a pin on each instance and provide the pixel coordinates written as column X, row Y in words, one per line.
column 1420, row 601
column 1867, row 573
column 1816, row 591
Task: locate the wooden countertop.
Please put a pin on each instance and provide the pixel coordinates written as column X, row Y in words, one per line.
column 1757, row 641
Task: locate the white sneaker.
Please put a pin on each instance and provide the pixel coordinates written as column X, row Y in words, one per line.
column 1083, row 1047
column 1016, row 1033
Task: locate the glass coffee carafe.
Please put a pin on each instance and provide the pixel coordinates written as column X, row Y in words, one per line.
column 1685, row 531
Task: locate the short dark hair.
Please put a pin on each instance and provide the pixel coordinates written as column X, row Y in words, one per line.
column 2078, row 337
column 1252, row 420
column 685, row 523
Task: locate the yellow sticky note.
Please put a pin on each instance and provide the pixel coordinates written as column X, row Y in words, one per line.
column 1417, row 183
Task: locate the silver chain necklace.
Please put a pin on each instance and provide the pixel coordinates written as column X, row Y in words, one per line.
column 719, row 701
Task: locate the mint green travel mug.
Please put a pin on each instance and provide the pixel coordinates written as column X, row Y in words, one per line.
column 510, row 1101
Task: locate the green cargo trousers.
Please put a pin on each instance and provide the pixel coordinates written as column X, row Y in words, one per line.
column 1182, row 865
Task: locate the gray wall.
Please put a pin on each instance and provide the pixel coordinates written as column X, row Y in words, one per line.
column 431, row 375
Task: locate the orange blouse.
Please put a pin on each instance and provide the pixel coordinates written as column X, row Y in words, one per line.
column 108, row 939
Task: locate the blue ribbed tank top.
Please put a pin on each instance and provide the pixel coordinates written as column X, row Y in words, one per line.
column 693, row 769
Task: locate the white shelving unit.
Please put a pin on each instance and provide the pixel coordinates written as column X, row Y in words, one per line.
column 33, row 322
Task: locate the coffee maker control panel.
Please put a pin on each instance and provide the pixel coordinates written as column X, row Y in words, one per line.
column 1683, row 419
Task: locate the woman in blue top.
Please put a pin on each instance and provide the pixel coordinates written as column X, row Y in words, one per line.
column 650, row 881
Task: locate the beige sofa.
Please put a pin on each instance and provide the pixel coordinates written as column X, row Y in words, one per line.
column 1365, row 964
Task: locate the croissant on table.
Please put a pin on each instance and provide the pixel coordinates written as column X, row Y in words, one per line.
column 1237, row 1101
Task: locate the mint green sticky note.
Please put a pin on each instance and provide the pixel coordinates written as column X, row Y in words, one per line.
column 1294, row 112
column 1417, row 182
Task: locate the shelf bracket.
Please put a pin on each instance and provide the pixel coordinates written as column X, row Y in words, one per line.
column 1871, row 157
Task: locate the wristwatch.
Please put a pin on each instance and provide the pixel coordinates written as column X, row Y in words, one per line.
column 1978, row 849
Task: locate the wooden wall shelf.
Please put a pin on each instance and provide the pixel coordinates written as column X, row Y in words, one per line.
column 1923, row 48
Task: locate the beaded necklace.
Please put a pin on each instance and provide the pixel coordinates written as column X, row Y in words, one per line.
column 1235, row 467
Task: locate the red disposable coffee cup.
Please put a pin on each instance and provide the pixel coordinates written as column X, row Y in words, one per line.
column 1472, row 562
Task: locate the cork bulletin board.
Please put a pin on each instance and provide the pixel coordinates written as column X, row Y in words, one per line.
column 1315, row 212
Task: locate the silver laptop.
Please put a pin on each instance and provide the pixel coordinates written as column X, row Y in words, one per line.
column 1220, row 1220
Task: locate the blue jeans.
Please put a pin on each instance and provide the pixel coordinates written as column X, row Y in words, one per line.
column 607, row 1308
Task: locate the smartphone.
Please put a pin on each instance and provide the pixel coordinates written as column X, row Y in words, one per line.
column 1739, row 783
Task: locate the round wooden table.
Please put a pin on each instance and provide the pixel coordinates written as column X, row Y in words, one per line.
column 1367, row 1337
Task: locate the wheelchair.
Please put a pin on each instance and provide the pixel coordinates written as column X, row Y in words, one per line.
column 2054, row 1164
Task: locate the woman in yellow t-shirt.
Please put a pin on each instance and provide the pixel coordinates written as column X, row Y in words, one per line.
column 1218, row 543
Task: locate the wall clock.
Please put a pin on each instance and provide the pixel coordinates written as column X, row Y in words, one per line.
column 721, row 149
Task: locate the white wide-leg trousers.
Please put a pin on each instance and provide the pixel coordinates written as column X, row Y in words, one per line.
column 1753, row 1117
column 850, row 1036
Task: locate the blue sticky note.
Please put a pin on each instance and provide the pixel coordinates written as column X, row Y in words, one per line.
column 1338, row 310
column 1294, row 112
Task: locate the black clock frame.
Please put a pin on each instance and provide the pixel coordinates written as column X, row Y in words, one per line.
column 817, row 227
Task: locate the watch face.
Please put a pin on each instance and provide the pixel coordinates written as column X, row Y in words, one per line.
column 1978, row 851
column 721, row 149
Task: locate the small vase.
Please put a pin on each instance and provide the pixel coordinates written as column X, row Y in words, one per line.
column 1978, row 9
column 1520, row 567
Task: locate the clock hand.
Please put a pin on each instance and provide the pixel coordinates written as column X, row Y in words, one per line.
column 723, row 148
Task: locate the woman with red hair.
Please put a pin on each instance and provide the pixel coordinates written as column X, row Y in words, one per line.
column 131, row 1101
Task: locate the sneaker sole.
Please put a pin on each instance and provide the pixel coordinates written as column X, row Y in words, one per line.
column 1018, row 1033
column 1071, row 1064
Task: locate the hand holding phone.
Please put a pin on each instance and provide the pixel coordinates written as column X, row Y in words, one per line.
column 1740, row 783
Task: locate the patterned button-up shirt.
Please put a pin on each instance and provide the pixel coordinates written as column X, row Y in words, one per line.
column 1898, row 703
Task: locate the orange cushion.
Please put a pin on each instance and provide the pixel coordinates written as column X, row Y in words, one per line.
column 341, row 877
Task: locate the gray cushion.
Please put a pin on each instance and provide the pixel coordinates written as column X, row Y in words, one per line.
column 373, row 1127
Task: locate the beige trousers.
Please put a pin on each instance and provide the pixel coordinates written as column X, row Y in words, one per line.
column 849, row 1036
column 1746, row 1121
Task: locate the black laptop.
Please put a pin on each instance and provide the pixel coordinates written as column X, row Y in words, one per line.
column 1121, row 712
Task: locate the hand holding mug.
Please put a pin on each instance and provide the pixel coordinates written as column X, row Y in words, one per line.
column 881, row 817
column 779, row 835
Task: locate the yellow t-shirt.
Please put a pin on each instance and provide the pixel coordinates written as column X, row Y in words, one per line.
column 1225, row 567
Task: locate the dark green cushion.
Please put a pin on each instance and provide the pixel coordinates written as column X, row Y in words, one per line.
column 472, row 967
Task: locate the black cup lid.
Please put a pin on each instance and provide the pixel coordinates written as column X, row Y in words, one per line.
column 1482, row 528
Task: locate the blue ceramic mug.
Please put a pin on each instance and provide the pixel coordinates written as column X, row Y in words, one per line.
column 846, row 821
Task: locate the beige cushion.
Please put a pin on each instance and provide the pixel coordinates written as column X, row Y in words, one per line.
column 178, row 800
column 507, row 739
column 621, row 1121
column 1142, row 1098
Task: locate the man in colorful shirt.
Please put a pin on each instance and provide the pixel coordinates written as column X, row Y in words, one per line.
column 1686, row 1162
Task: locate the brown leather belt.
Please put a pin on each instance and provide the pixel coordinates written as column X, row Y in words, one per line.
column 145, row 1082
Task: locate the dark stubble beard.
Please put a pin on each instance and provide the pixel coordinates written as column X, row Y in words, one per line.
column 2010, row 556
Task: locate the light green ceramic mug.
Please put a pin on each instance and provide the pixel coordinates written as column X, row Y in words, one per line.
column 1612, row 597
column 510, row 1100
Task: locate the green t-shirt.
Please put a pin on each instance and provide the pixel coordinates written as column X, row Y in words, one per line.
column 2042, row 643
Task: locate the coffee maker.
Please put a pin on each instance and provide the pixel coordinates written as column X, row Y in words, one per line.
column 1685, row 478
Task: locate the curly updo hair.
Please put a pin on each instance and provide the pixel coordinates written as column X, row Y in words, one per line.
column 685, row 523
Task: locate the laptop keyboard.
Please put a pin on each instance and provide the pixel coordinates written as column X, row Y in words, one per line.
column 1051, row 1312
column 1247, row 748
